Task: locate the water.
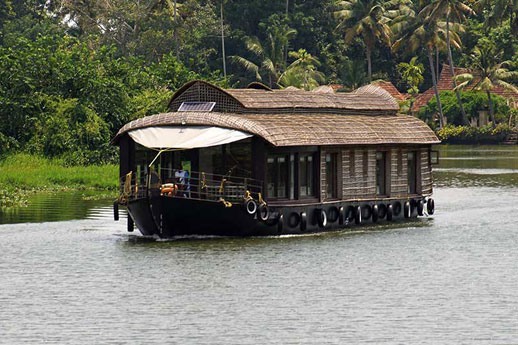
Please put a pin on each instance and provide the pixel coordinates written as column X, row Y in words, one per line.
column 450, row 279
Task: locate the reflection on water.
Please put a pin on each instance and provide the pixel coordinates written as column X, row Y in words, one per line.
column 59, row 206
column 447, row 279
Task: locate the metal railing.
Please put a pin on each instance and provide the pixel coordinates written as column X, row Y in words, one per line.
column 196, row 185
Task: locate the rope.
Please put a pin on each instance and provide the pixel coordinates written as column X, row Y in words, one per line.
column 226, row 203
column 221, row 186
column 260, row 199
column 247, row 195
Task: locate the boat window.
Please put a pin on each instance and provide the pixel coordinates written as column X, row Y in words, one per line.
column 412, row 172
column 292, row 176
column 306, row 175
column 331, row 175
column 381, row 173
column 277, row 176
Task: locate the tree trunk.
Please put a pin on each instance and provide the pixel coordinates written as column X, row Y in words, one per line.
column 491, row 110
column 434, row 80
column 369, row 65
column 437, row 71
column 176, row 45
column 452, row 73
column 286, row 47
column 223, row 42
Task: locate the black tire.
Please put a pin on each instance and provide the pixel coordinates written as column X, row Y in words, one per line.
column 358, row 215
column 382, row 211
column 303, row 221
column 293, row 220
column 321, row 217
column 407, row 210
column 420, row 207
column 350, row 214
column 366, row 212
column 333, row 214
column 280, row 223
column 390, row 212
column 251, row 206
column 375, row 213
column 263, row 212
column 430, row 206
column 396, row 208
column 341, row 215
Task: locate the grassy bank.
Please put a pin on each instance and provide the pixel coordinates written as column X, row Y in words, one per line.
column 23, row 174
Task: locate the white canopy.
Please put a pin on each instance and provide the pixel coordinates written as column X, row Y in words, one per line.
column 181, row 137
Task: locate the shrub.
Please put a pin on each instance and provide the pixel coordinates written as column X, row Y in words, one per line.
column 473, row 135
column 473, row 102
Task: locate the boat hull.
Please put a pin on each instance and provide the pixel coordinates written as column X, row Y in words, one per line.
column 168, row 217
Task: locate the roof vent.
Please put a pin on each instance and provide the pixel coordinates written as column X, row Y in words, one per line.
column 197, row 106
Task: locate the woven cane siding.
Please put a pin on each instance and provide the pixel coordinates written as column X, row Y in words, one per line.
column 399, row 173
column 426, row 173
column 362, row 184
column 201, row 92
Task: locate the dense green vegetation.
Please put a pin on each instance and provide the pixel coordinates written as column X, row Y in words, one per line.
column 23, row 174
column 72, row 72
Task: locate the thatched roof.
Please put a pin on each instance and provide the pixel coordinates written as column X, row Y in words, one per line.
column 259, row 99
column 304, row 129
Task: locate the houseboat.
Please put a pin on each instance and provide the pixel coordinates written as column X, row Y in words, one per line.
column 257, row 161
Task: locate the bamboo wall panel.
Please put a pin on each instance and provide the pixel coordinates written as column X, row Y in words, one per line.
column 399, row 173
column 426, row 172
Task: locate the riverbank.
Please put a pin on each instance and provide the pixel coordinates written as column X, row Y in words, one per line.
column 22, row 175
column 467, row 135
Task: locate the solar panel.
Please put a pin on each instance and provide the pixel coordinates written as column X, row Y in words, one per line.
column 197, row 106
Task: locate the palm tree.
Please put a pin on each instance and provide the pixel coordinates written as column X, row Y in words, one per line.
column 271, row 56
column 353, row 75
column 412, row 73
column 500, row 10
column 368, row 19
column 488, row 72
column 451, row 10
column 302, row 72
column 417, row 32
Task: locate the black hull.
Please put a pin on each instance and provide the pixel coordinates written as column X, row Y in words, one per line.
column 168, row 217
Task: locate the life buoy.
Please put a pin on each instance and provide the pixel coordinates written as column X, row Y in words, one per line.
column 280, row 223
column 390, row 212
column 407, row 210
column 303, row 221
column 321, row 217
column 375, row 213
column 250, row 206
column 430, row 206
column 263, row 212
column 358, row 215
column 420, row 207
column 341, row 215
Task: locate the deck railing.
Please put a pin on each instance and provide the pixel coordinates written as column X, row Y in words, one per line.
column 196, row 185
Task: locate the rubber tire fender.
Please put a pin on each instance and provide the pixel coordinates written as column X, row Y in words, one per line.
column 280, row 223
column 390, row 212
column 420, row 207
column 407, row 209
column 303, row 221
column 358, row 215
column 341, row 215
column 375, row 213
column 430, row 206
column 263, row 212
column 321, row 217
column 251, row 206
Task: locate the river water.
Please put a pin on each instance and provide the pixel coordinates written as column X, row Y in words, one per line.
column 76, row 277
